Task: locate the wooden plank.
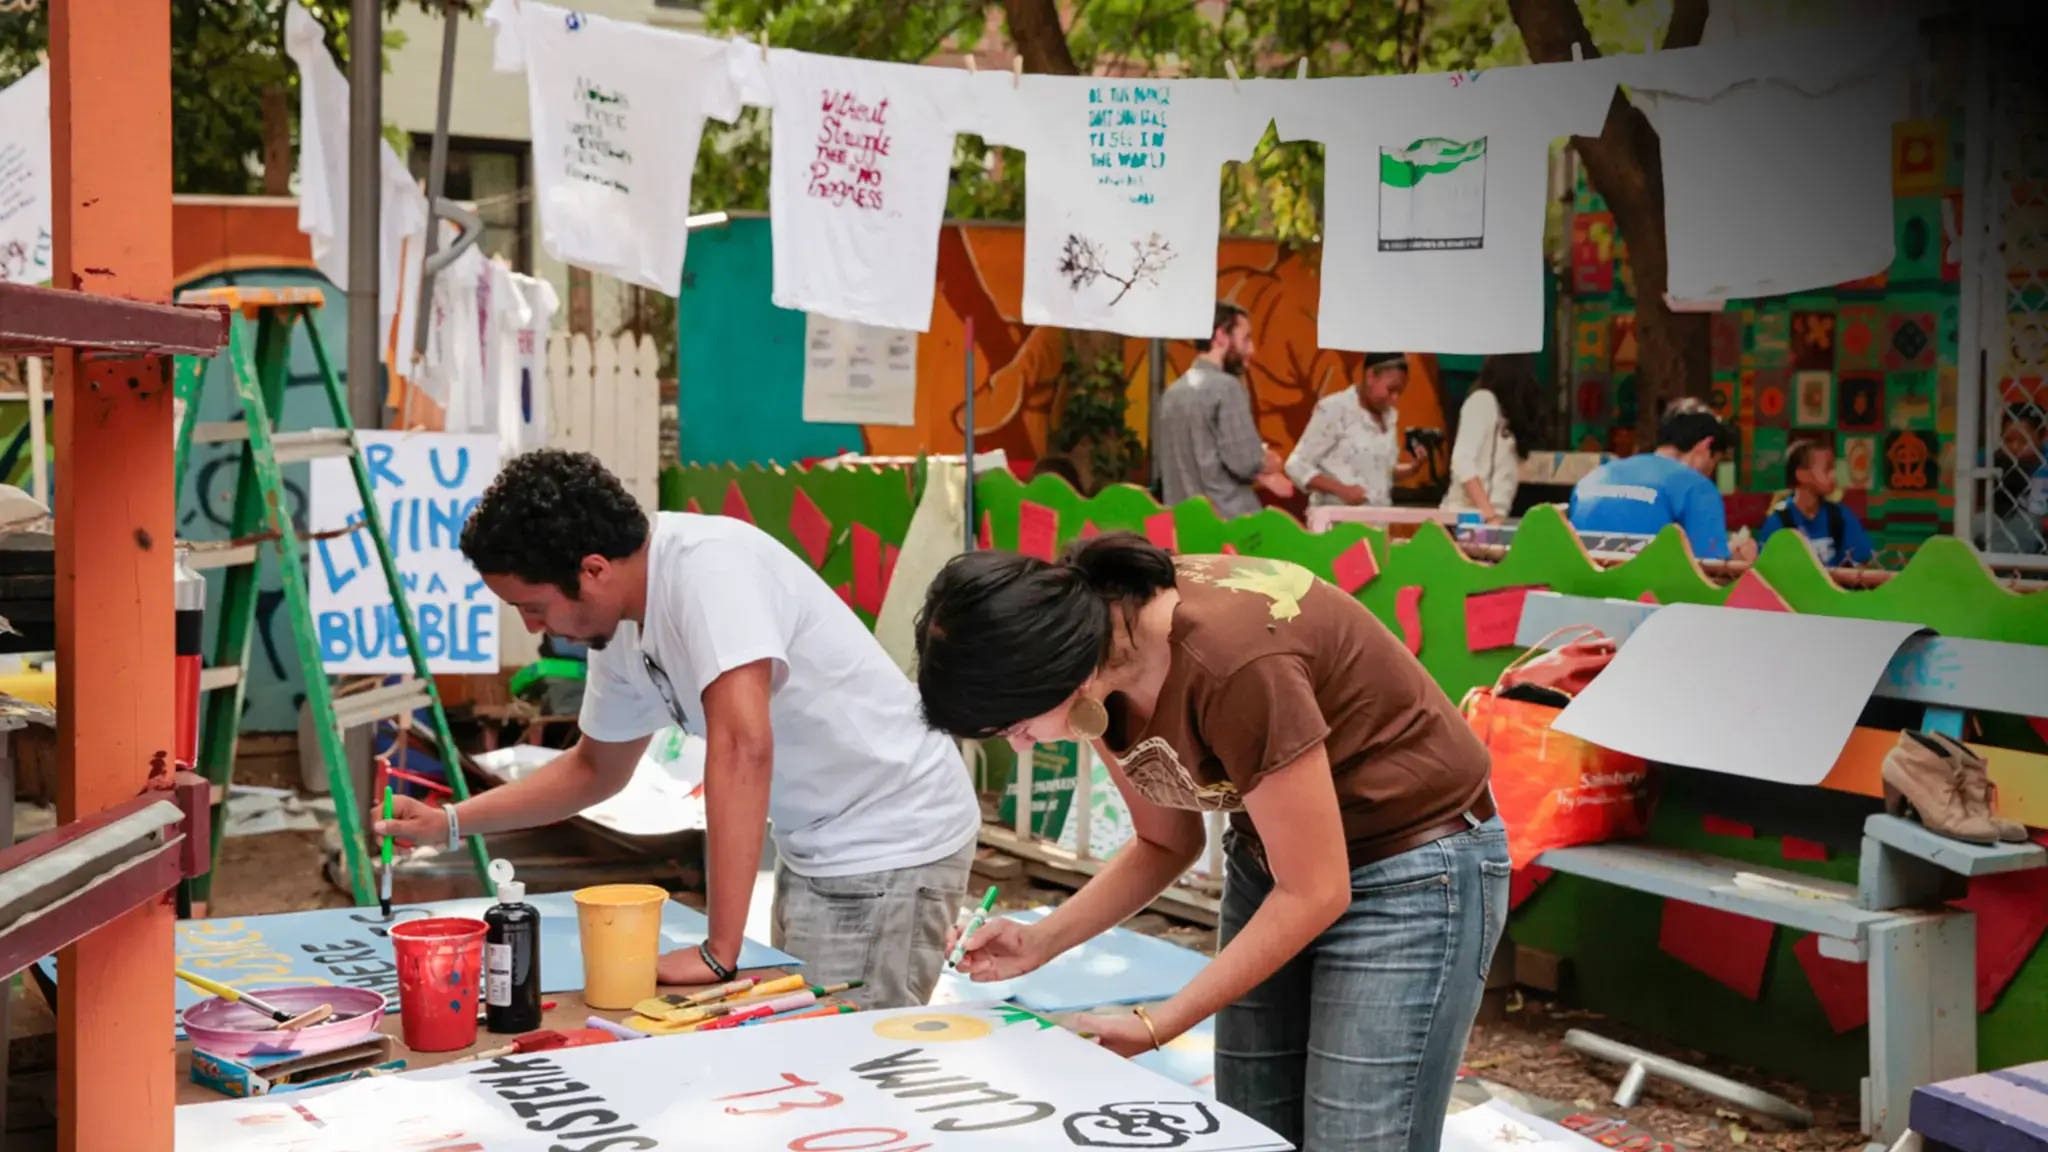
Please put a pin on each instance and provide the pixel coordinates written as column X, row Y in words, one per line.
column 2021, row 777
column 1923, row 1012
column 34, row 320
column 1954, row 855
column 1982, row 675
column 1710, row 882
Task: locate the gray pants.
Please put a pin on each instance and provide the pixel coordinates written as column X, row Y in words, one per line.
column 885, row 928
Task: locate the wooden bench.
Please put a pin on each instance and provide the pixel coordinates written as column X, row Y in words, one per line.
column 1921, row 954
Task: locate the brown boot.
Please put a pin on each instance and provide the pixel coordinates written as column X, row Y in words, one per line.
column 1922, row 779
column 1976, row 775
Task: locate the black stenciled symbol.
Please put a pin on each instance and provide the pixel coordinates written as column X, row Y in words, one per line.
column 1142, row 1125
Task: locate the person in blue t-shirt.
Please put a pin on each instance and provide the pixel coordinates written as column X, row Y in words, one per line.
column 1673, row 485
column 1832, row 531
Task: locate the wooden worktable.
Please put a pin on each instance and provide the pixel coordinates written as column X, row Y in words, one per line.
column 569, row 1012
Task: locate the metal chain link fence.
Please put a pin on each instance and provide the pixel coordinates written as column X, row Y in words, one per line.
column 2014, row 509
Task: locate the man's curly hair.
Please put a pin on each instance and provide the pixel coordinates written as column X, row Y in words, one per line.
column 545, row 512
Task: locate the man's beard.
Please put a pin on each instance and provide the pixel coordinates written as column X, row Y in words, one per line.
column 1233, row 363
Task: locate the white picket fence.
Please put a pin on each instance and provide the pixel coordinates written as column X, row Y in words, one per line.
column 606, row 400
column 603, row 398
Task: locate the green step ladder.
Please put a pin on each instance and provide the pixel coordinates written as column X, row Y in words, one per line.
column 260, row 519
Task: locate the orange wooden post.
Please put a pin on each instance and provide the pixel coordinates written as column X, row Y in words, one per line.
column 110, row 136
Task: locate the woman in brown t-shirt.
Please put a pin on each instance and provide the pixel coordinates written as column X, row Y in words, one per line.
column 1367, row 880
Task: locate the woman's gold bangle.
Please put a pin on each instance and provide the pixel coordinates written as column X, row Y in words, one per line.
column 1145, row 1018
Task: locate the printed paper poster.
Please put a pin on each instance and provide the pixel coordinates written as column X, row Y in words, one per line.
column 25, row 208
column 857, row 373
column 426, row 484
column 1433, row 195
column 988, row 1078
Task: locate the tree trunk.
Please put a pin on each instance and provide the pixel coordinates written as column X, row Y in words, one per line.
column 277, row 143
column 1041, row 43
column 1625, row 163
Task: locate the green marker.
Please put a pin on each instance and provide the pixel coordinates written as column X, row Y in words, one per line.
column 974, row 923
column 384, row 889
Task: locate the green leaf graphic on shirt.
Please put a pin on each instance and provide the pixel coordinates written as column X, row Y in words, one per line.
column 1432, row 156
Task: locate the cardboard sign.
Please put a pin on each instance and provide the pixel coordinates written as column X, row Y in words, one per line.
column 425, row 484
column 970, row 1079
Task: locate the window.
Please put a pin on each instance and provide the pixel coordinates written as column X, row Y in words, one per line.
column 495, row 176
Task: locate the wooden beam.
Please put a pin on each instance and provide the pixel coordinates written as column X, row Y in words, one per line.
column 35, row 321
column 110, row 136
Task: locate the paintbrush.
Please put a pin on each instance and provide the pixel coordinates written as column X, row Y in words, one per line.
column 285, row 1020
column 384, row 885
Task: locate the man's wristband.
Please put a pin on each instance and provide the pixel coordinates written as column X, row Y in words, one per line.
column 454, row 827
column 719, row 972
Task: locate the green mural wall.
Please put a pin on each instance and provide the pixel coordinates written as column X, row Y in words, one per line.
column 1867, row 368
column 1609, row 934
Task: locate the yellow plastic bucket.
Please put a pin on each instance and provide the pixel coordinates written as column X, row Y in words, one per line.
column 620, row 928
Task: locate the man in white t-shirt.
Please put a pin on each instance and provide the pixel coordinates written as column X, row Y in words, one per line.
column 710, row 624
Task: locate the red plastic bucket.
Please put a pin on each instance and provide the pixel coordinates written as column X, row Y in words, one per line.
column 440, row 965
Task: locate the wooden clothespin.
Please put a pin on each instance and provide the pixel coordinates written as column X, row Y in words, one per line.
column 1578, row 53
column 1301, row 69
column 1230, row 70
column 1649, row 43
column 1016, row 71
column 764, row 40
column 972, row 67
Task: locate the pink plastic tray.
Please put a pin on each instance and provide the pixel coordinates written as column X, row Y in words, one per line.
column 238, row 1030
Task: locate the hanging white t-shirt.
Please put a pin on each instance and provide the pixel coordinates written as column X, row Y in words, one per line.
column 1122, row 202
column 521, row 368
column 863, row 155
column 860, row 783
column 324, row 183
column 1434, row 195
column 618, row 111
column 27, row 244
column 1777, row 157
column 453, row 372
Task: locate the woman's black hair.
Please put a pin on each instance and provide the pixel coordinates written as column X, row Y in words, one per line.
column 1004, row 638
column 1512, row 380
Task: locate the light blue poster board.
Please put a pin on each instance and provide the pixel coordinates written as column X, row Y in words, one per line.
column 349, row 946
column 1190, row 1059
column 1118, row 967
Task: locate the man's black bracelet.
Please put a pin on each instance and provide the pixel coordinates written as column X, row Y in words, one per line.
column 719, row 972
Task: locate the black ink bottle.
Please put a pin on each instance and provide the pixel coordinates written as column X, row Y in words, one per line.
column 511, row 957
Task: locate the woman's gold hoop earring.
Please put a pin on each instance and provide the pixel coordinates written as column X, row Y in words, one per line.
column 1087, row 719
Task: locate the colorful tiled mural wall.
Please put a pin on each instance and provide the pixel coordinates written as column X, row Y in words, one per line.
column 1868, row 367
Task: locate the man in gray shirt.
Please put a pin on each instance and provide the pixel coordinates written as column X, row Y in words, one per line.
column 1207, row 443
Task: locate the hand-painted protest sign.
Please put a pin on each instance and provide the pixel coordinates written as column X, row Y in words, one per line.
column 349, row 946
column 425, row 484
column 971, row 1079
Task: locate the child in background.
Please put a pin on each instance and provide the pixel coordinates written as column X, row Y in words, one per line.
column 1809, row 508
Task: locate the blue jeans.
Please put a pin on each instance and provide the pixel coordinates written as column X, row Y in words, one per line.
column 1354, row 1045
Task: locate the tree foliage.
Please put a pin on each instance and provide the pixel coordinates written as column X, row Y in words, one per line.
column 227, row 57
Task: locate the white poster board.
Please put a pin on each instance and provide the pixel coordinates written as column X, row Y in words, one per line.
column 965, row 1079
column 858, row 374
column 1767, row 695
column 425, row 485
column 25, row 209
